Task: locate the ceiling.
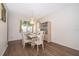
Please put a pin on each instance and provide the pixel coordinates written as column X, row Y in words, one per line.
column 36, row 10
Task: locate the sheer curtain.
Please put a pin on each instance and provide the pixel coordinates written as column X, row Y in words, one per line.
column 26, row 27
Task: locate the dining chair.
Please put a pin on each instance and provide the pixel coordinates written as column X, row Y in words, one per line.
column 39, row 40
column 25, row 39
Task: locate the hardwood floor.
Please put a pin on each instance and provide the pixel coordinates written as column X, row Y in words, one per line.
column 51, row 49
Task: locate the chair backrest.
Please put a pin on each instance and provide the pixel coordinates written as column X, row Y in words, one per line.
column 40, row 36
column 24, row 36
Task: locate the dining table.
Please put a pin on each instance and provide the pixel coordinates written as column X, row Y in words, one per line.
column 33, row 37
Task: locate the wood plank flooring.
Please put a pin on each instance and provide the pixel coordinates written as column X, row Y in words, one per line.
column 51, row 49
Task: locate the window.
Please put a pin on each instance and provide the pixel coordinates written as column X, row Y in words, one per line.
column 25, row 26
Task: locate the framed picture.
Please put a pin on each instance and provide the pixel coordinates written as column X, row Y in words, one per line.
column 2, row 12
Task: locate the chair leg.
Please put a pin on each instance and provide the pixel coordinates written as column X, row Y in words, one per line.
column 42, row 46
column 23, row 45
column 37, row 48
column 32, row 45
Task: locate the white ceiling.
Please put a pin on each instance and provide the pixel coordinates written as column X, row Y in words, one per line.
column 37, row 10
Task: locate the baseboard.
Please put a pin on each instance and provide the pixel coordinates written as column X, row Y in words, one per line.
column 65, row 46
column 14, row 40
column 3, row 50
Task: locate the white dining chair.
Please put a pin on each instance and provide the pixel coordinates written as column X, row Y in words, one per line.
column 25, row 39
column 39, row 40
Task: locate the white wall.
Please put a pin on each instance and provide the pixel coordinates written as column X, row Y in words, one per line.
column 3, row 37
column 14, row 25
column 65, row 26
